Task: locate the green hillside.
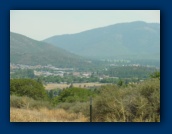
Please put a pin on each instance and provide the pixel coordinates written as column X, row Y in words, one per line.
column 135, row 40
column 24, row 50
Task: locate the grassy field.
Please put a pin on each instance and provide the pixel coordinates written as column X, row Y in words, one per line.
column 61, row 86
column 44, row 115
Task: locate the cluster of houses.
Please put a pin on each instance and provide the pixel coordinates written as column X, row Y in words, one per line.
column 51, row 70
column 21, row 66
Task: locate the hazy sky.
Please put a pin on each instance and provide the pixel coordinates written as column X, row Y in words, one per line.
column 41, row 24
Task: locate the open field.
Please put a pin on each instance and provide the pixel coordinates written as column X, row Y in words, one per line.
column 44, row 115
column 61, row 86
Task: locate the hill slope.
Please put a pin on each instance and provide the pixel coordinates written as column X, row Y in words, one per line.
column 24, row 50
column 136, row 39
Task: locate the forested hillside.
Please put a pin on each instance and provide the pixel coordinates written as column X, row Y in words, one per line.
column 24, row 50
column 135, row 40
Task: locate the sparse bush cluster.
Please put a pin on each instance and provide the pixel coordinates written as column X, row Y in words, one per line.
column 129, row 104
column 27, row 103
column 75, row 107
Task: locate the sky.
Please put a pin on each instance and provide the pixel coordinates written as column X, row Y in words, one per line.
column 42, row 24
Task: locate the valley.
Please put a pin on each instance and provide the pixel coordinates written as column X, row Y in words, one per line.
column 118, row 66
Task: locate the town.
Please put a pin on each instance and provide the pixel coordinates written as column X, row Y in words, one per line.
column 108, row 74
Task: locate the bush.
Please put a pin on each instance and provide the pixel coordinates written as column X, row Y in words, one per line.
column 27, row 103
column 28, row 87
column 74, row 94
column 128, row 104
column 155, row 75
column 75, row 107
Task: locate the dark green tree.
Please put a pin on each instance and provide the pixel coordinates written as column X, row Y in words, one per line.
column 155, row 75
column 28, row 87
column 120, row 82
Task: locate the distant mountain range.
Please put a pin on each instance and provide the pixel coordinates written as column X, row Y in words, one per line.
column 138, row 40
column 135, row 40
column 24, row 50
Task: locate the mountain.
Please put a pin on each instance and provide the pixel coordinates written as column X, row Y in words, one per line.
column 24, row 50
column 137, row 39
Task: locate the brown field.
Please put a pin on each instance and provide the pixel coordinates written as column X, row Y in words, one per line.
column 61, row 86
column 44, row 115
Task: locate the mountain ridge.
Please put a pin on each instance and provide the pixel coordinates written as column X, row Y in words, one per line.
column 24, row 50
column 119, row 40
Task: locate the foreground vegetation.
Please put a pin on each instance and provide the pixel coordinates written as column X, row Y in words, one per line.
column 133, row 102
column 44, row 115
column 25, row 109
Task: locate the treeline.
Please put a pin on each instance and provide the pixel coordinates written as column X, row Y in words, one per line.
column 109, row 75
column 69, row 79
column 29, row 88
column 140, row 72
column 35, row 90
column 23, row 73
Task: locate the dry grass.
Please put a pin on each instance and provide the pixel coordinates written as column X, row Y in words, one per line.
column 44, row 115
column 61, row 86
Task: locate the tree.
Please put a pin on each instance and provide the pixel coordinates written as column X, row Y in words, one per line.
column 71, row 85
column 73, row 95
column 28, row 87
column 39, row 80
column 30, row 73
column 120, row 83
column 155, row 75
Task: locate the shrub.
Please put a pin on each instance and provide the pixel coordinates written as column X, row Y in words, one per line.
column 128, row 104
column 75, row 107
column 155, row 75
column 28, row 87
column 27, row 103
column 73, row 95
